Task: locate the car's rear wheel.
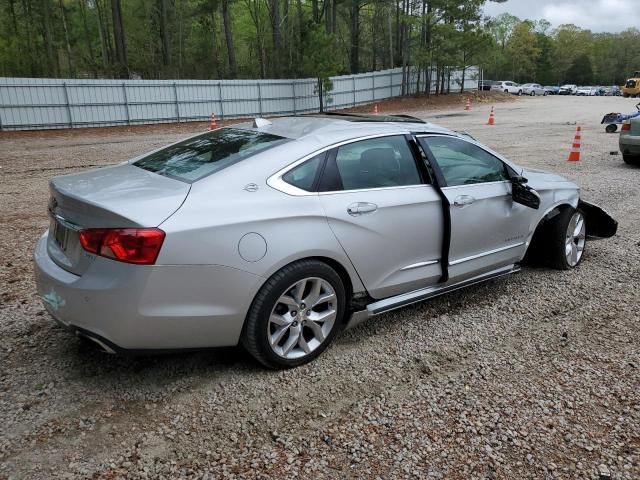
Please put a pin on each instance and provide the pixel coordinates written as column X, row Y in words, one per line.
column 519, row 92
column 567, row 239
column 611, row 128
column 533, row 94
column 295, row 315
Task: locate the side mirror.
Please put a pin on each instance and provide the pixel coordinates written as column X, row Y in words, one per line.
column 523, row 194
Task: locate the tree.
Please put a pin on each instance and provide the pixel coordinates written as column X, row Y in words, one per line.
column 119, row 39
column 523, row 52
column 581, row 71
column 319, row 61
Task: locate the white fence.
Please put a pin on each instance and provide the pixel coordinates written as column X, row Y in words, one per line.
column 32, row 103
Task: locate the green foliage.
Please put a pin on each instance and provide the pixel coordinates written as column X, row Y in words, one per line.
column 296, row 38
column 531, row 52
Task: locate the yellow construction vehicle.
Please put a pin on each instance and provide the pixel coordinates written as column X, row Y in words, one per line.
column 632, row 86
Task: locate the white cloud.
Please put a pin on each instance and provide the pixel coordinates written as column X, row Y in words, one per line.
column 595, row 15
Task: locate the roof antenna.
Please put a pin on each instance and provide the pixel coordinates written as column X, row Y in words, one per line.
column 261, row 122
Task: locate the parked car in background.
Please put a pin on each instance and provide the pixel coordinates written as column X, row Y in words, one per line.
column 277, row 234
column 612, row 91
column 568, row 89
column 552, row 90
column 485, row 84
column 584, row 91
column 533, row 89
column 630, row 141
column 507, row 87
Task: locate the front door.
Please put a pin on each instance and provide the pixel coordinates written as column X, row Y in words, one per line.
column 385, row 214
column 488, row 229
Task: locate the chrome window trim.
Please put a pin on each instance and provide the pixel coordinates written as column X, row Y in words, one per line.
column 497, row 182
column 276, row 182
column 484, row 254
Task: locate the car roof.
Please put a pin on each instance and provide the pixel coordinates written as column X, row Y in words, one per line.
column 335, row 128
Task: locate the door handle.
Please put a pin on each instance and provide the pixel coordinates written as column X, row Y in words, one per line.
column 463, row 200
column 361, row 208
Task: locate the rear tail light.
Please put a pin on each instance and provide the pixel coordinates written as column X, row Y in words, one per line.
column 130, row 245
column 626, row 126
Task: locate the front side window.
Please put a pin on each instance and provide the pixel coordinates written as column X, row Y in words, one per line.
column 377, row 163
column 463, row 163
column 208, row 153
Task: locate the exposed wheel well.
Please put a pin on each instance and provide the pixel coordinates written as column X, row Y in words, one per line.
column 344, row 276
column 342, row 273
column 536, row 249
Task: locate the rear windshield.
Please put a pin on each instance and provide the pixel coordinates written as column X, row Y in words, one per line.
column 208, row 153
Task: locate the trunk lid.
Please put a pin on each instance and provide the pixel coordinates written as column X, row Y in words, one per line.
column 111, row 197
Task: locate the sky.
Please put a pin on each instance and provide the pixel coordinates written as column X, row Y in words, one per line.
column 595, row 15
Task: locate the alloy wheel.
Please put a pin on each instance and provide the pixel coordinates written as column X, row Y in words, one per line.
column 302, row 318
column 575, row 239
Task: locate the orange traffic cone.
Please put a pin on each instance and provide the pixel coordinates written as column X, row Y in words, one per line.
column 375, row 109
column 467, row 105
column 492, row 120
column 574, row 154
column 212, row 122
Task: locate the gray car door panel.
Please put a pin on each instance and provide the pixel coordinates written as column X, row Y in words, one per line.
column 488, row 232
column 387, row 218
column 488, row 229
column 395, row 247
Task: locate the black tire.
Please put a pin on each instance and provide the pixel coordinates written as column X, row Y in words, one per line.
column 556, row 240
column 611, row 128
column 519, row 93
column 631, row 159
column 254, row 335
column 533, row 94
column 506, row 91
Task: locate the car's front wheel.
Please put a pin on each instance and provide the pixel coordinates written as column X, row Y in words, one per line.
column 295, row 315
column 567, row 237
column 533, row 93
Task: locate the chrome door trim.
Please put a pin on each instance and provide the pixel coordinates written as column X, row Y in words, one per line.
column 275, row 181
column 484, row 254
column 419, row 264
column 404, row 299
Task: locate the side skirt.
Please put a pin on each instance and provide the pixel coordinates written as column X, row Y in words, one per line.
column 402, row 300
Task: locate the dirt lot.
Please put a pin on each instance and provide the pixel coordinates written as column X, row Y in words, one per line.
column 532, row 376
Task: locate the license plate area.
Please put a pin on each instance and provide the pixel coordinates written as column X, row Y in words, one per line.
column 60, row 235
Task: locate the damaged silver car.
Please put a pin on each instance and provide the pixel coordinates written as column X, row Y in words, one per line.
column 277, row 234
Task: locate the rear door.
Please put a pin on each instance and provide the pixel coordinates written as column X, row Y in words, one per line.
column 385, row 213
column 488, row 229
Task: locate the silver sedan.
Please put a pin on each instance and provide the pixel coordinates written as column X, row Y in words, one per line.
column 277, row 234
column 534, row 89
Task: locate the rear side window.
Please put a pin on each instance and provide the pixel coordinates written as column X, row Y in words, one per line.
column 208, row 153
column 304, row 175
column 377, row 163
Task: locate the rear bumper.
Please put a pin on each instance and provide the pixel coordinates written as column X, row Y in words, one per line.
column 133, row 307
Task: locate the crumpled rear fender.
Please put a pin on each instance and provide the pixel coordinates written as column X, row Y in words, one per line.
column 599, row 223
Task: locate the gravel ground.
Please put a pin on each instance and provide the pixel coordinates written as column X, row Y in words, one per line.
column 533, row 376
